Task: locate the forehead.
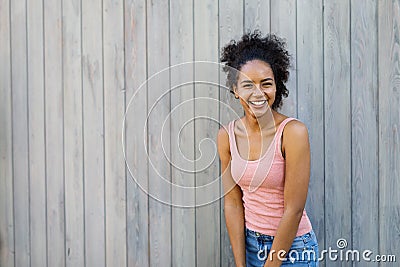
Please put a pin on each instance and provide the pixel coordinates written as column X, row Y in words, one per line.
column 255, row 69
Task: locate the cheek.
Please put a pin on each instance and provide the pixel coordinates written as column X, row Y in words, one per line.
column 244, row 94
column 271, row 92
column 271, row 96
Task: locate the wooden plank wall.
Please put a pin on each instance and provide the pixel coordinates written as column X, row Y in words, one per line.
column 75, row 109
column 388, row 124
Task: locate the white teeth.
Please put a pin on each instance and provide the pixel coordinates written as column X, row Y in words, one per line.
column 258, row 103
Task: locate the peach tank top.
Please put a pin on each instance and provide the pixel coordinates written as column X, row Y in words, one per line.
column 262, row 183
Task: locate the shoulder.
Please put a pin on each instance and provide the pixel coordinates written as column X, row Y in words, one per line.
column 295, row 128
column 223, row 132
column 295, row 133
column 223, row 139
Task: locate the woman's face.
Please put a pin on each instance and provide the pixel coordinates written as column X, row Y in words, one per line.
column 256, row 87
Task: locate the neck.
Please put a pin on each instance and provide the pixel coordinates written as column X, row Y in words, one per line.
column 264, row 122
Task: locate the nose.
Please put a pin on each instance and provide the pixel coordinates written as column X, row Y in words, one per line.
column 257, row 91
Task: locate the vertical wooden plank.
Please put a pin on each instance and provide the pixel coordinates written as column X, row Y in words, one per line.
column 182, row 134
column 37, row 156
column 136, row 133
column 159, row 133
column 114, row 106
column 6, row 167
column 73, row 134
column 310, row 104
column 230, row 27
column 257, row 15
column 93, row 125
column 54, row 133
column 20, row 144
column 389, row 127
column 364, row 105
column 206, row 109
column 283, row 24
column 337, row 124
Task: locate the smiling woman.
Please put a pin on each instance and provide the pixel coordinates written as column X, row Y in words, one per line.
column 255, row 87
column 265, row 160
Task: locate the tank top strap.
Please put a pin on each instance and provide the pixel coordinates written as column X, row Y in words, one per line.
column 280, row 131
column 232, row 142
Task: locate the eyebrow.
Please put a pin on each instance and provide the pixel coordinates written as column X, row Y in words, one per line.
column 263, row 80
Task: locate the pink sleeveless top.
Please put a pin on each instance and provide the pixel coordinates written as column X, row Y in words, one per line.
column 262, row 183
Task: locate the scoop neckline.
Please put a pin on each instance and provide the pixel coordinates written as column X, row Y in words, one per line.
column 266, row 152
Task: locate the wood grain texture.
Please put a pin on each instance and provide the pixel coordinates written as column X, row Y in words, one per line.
column 285, row 28
column 230, row 27
column 73, row 134
column 54, row 133
column 93, row 127
column 114, row 107
column 136, row 134
column 389, row 127
column 310, row 79
column 206, row 127
column 6, row 149
column 337, row 122
column 20, row 133
column 36, row 125
column 182, row 133
column 159, row 151
column 70, row 69
column 364, row 105
column 257, row 15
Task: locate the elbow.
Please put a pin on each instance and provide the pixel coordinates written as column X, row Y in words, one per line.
column 232, row 203
column 294, row 212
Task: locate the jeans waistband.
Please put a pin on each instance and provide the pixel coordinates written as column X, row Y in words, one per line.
column 257, row 234
column 304, row 237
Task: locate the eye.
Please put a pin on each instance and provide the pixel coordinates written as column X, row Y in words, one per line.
column 266, row 85
column 247, row 85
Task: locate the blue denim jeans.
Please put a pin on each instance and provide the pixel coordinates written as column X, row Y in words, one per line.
column 303, row 252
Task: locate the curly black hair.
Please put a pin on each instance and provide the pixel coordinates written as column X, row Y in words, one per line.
column 270, row 49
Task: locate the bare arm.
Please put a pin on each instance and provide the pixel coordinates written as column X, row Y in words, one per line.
column 233, row 205
column 297, row 175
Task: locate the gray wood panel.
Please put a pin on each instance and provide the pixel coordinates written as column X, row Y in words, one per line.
column 182, row 133
column 137, row 222
column 206, row 110
column 20, row 145
column 93, row 132
column 310, row 104
column 73, row 134
column 6, row 149
column 337, row 123
column 36, row 124
column 364, row 109
column 114, row 107
column 159, row 151
column 54, row 133
column 286, row 29
column 231, row 27
column 389, row 125
column 70, row 69
column 257, row 15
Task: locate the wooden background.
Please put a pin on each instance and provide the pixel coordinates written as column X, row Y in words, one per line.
column 69, row 68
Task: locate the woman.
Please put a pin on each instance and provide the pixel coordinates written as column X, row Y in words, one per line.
column 265, row 160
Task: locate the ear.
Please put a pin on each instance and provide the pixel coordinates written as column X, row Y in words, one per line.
column 234, row 89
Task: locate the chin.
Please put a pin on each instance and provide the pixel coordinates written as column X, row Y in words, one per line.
column 259, row 114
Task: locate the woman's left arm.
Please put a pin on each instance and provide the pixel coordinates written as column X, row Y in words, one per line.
column 296, row 148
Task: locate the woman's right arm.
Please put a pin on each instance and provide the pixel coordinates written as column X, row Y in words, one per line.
column 233, row 205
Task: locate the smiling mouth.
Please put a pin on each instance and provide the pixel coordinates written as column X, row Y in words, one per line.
column 258, row 103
